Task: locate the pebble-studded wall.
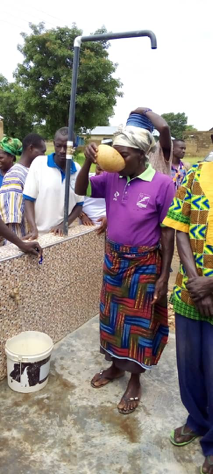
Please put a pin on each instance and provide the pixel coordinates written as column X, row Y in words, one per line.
column 55, row 297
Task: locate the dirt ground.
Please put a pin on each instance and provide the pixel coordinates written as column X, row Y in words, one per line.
column 175, row 267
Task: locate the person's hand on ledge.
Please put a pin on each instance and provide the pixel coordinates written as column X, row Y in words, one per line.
column 32, row 235
column 85, row 219
column 103, row 225
column 58, row 230
column 31, row 248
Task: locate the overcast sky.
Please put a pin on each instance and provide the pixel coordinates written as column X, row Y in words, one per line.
column 177, row 77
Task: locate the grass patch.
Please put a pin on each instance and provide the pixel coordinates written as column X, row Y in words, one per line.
column 50, row 148
column 192, row 159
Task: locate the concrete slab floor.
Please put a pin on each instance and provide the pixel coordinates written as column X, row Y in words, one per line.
column 69, row 427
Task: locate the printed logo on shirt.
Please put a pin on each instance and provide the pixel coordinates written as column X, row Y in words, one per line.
column 143, row 200
column 116, row 196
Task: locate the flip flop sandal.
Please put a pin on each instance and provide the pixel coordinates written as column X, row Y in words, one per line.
column 209, row 462
column 172, row 437
column 107, row 380
column 127, row 412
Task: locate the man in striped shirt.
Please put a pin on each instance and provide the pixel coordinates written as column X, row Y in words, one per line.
column 11, row 192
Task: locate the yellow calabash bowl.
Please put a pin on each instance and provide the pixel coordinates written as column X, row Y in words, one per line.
column 109, row 159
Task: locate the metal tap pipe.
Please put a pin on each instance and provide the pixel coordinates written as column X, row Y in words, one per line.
column 77, row 45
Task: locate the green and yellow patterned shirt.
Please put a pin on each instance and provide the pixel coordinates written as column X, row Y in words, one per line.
column 192, row 212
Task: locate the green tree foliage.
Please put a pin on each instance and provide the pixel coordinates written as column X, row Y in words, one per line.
column 17, row 120
column 3, row 82
column 190, row 128
column 178, row 124
column 46, row 73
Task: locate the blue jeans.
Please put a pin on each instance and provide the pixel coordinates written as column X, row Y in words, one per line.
column 194, row 343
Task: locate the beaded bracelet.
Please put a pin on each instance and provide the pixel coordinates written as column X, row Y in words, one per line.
column 147, row 110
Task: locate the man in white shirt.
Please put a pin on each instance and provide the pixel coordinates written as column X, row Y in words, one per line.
column 45, row 188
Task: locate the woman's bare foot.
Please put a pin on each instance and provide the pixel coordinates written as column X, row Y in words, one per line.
column 131, row 398
column 207, row 467
column 106, row 376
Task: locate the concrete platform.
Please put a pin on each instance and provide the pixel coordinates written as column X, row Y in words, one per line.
column 69, row 427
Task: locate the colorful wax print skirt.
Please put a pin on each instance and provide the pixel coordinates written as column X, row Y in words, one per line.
column 131, row 329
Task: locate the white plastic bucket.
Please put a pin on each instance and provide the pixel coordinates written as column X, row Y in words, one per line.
column 28, row 361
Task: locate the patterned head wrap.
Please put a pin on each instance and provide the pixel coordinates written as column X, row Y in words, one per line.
column 13, row 146
column 135, row 137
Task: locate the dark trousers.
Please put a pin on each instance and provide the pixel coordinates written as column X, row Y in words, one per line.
column 194, row 342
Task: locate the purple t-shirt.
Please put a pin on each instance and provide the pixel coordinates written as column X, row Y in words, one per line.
column 134, row 208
